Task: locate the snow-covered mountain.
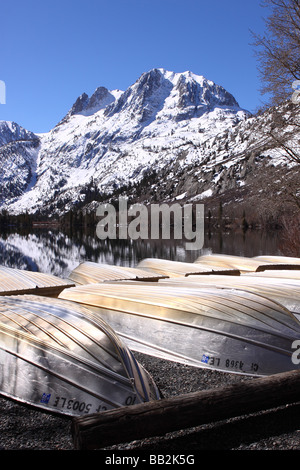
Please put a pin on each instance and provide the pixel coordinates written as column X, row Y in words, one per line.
column 177, row 125
column 19, row 152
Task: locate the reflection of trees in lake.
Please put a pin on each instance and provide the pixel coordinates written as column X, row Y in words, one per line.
column 56, row 252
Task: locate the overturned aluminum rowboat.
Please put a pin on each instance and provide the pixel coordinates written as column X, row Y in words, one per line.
column 243, row 263
column 282, row 290
column 89, row 272
column 288, row 260
column 223, row 329
column 17, row 281
column 173, row 269
column 57, row 357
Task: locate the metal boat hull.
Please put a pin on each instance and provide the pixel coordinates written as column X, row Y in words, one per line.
column 18, row 281
column 288, row 260
column 245, row 264
column 282, row 290
column 223, row 329
column 174, row 269
column 89, row 273
column 57, row 357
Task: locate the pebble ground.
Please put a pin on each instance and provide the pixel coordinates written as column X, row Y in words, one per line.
column 22, row 428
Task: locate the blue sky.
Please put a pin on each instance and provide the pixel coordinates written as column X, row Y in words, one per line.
column 53, row 51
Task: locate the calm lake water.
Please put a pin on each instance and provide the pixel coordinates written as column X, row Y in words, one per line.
column 58, row 253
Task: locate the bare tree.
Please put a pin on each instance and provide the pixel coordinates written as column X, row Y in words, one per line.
column 290, row 242
column 284, row 130
column 278, row 51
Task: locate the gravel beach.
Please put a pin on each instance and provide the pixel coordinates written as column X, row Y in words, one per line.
column 22, row 428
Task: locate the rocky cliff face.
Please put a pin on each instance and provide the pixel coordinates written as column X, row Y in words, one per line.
column 18, row 155
column 87, row 106
column 12, row 132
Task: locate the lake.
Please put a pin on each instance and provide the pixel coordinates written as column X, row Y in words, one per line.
column 52, row 251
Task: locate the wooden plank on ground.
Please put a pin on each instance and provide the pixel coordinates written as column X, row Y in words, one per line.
column 157, row 418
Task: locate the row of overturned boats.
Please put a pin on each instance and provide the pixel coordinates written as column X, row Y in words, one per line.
column 67, row 345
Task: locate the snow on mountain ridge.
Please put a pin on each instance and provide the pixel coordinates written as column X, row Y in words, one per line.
column 86, row 106
column 162, row 90
column 11, row 131
column 18, row 160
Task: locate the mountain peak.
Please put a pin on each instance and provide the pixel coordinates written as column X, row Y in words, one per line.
column 87, row 106
column 152, row 92
column 181, row 96
column 11, row 132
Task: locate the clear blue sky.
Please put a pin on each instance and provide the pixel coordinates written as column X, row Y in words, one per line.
column 53, row 51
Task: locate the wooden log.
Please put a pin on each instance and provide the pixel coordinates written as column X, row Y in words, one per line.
column 157, row 418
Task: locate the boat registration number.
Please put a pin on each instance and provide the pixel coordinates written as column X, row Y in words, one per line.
column 79, row 406
column 232, row 364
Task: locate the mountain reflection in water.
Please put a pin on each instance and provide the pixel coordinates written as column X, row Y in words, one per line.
column 58, row 253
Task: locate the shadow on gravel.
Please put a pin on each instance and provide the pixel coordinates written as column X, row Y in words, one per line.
column 274, row 429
